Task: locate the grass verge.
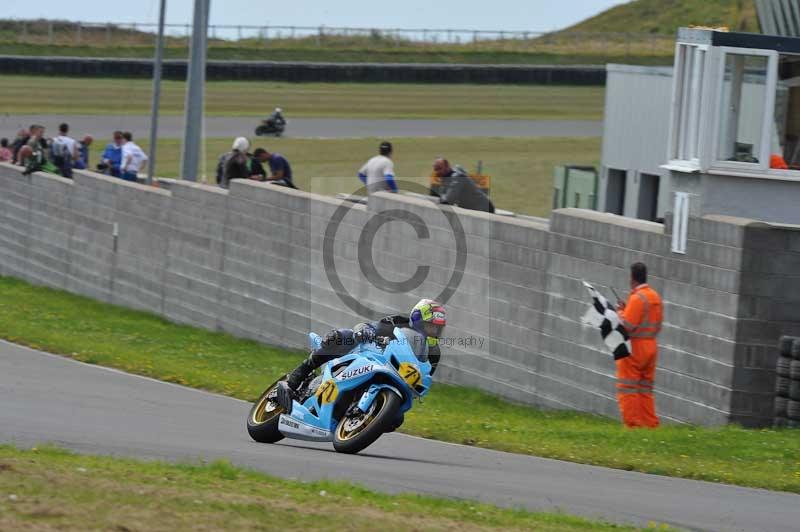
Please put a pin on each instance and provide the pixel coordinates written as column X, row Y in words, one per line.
column 521, row 168
column 96, row 96
column 50, row 489
column 141, row 343
column 567, row 51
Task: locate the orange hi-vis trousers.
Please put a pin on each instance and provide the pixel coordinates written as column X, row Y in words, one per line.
column 635, row 379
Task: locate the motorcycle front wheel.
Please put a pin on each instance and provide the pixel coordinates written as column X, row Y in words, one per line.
column 262, row 421
column 356, row 432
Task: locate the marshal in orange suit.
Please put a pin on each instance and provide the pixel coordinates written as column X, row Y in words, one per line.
column 641, row 316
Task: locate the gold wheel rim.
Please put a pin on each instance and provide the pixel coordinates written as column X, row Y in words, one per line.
column 344, row 435
column 266, row 409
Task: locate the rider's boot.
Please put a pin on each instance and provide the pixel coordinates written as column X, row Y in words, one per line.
column 287, row 390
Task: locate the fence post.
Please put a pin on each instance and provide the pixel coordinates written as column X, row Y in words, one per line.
column 240, row 33
column 78, row 29
column 49, row 32
column 24, row 32
column 475, row 37
column 319, row 35
column 108, row 34
column 265, row 35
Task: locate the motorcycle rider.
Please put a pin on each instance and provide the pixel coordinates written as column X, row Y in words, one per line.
column 427, row 318
column 276, row 119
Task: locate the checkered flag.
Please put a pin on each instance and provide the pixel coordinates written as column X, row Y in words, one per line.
column 601, row 315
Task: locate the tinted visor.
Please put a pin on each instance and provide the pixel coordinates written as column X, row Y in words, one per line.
column 431, row 329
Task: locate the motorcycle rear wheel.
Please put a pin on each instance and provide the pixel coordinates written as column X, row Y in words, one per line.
column 354, row 434
column 261, row 131
column 262, row 421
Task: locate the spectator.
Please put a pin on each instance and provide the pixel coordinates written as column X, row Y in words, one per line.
column 18, row 142
column 34, row 140
column 378, row 172
column 111, row 158
column 236, row 164
column 132, row 158
column 5, row 153
column 280, row 171
column 459, row 189
column 82, row 162
column 64, row 151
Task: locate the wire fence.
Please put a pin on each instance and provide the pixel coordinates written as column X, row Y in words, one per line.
column 49, row 32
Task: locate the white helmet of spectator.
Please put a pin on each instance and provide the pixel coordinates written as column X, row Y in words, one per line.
column 240, row 144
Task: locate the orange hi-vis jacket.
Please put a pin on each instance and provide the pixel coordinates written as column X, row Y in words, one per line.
column 643, row 314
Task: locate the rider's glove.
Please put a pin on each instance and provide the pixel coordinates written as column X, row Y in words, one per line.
column 364, row 333
column 332, row 338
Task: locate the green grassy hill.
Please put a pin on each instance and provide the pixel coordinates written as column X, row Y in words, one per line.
column 666, row 16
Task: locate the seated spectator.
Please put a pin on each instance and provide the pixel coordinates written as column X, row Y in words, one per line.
column 5, row 153
column 459, row 189
column 111, row 158
column 280, row 171
column 378, row 172
column 64, row 151
column 132, row 158
column 236, row 164
column 82, row 162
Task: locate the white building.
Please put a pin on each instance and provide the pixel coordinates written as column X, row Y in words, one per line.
column 719, row 131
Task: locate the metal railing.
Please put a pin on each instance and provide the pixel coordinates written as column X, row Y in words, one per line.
column 126, row 34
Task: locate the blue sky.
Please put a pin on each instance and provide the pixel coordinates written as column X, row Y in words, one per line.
column 529, row 15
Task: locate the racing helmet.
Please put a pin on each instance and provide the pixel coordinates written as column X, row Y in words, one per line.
column 278, row 110
column 429, row 318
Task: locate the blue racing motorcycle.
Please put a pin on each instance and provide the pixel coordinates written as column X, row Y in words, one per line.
column 357, row 398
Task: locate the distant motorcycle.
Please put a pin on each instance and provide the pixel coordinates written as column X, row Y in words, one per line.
column 358, row 397
column 274, row 125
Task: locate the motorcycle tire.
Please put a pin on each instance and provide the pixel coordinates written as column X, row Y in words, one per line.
column 793, row 410
column 794, row 370
column 351, row 438
column 261, row 131
column 785, row 345
column 781, row 407
column 794, row 390
column 262, row 421
column 782, row 367
column 782, row 385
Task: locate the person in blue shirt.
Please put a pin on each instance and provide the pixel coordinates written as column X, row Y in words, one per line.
column 112, row 156
column 280, row 171
column 82, row 162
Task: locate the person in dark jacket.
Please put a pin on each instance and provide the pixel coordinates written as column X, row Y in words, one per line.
column 459, row 189
column 427, row 318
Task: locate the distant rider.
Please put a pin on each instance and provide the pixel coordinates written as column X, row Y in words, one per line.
column 276, row 118
column 427, row 318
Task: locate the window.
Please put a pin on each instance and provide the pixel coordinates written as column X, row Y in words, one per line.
column 746, row 98
column 687, row 111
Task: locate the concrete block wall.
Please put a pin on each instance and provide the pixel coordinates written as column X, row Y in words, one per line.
column 249, row 261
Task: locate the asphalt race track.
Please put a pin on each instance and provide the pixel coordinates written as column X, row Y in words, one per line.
column 101, row 127
column 46, row 398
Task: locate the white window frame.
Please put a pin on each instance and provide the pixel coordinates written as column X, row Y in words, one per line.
column 767, row 120
column 683, row 140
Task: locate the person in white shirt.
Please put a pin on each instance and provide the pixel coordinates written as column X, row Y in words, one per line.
column 378, row 172
column 132, row 158
column 64, row 151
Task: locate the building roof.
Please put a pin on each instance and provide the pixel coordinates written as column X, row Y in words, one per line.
column 789, row 45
